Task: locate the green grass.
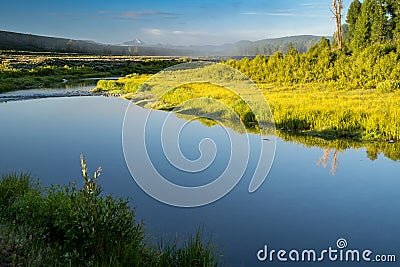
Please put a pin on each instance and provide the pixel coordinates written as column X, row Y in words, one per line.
column 362, row 115
column 70, row 226
column 367, row 115
column 19, row 71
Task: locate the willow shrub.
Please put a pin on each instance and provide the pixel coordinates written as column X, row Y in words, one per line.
column 324, row 65
column 80, row 227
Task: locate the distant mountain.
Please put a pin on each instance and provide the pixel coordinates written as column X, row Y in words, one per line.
column 36, row 43
column 269, row 46
column 262, row 47
column 29, row 42
column 135, row 42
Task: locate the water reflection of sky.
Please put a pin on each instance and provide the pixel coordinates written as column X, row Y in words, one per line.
column 300, row 205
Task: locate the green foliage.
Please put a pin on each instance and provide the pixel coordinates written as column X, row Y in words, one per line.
column 392, row 10
column 352, row 16
column 18, row 248
column 335, row 94
column 326, row 67
column 372, row 22
column 271, row 46
column 6, row 70
column 388, row 86
column 35, row 70
column 314, row 139
column 196, row 254
column 130, row 84
column 64, row 225
column 357, row 114
column 13, row 187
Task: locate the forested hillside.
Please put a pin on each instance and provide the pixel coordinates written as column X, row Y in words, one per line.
column 35, row 43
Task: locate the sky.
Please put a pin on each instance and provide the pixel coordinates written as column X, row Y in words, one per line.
column 173, row 22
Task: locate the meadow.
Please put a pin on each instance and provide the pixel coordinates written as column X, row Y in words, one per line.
column 357, row 114
column 25, row 70
column 361, row 115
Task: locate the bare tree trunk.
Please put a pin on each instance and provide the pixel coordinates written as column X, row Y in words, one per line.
column 337, row 15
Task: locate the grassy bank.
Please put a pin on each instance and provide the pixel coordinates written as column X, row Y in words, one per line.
column 313, row 116
column 362, row 115
column 71, row 226
column 357, row 114
column 20, row 70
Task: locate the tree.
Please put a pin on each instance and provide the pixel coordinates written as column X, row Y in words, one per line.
column 345, row 33
column 379, row 30
column 393, row 11
column 337, row 15
column 364, row 25
column 352, row 16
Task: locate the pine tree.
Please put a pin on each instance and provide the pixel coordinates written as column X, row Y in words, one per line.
column 379, row 31
column 352, row 16
column 371, row 25
column 362, row 29
column 393, row 11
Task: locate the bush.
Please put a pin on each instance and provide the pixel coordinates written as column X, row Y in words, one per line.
column 388, row 86
column 79, row 227
column 12, row 188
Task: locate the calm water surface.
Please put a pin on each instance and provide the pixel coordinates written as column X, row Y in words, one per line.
column 300, row 206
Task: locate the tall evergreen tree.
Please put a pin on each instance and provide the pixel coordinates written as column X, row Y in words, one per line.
column 352, row 16
column 393, row 12
column 371, row 25
column 379, row 31
column 362, row 30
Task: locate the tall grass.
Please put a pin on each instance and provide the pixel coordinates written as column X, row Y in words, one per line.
column 363, row 114
column 359, row 114
column 194, row 253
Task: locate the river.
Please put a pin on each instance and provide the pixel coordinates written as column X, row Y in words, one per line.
column 301, row 205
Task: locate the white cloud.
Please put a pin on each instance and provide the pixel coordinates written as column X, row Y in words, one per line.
column 133, row 14
column 280, row 14
column 154, row 31
column 160, row 32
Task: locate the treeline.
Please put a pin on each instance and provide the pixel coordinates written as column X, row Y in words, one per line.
column 270, row 46
column 369, row 58
column 372, row 22
column 376, row 66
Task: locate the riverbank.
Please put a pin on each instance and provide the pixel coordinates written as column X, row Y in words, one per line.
column 358, row 115
column 71, row 226
column 20, row 71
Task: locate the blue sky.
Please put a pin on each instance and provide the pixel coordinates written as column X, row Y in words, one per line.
column 174, row 22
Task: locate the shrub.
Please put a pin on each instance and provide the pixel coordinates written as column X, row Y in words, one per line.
column 65, row 225
column 13, row 187
column 388, row 86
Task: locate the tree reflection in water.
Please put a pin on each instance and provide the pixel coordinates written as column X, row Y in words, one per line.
column 325, row 159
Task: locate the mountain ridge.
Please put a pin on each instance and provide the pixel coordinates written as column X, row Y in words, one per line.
column 37, row 43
